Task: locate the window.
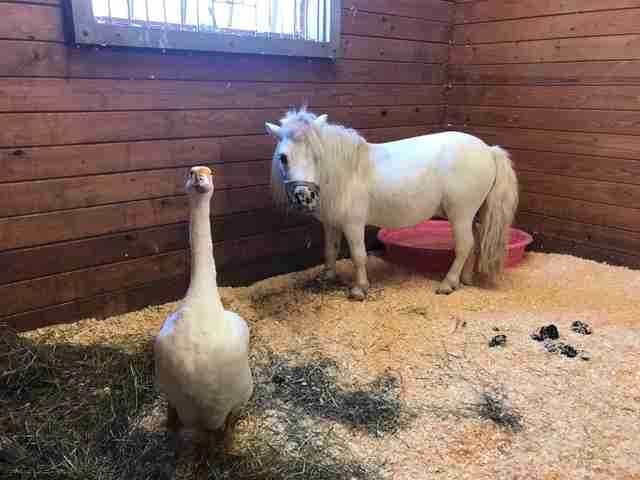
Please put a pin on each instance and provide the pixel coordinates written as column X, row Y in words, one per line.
column 309, row 28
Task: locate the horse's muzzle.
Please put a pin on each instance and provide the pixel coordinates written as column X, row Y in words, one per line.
column 302, row 195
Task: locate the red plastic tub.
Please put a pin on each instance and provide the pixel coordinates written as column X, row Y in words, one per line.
column 428, row 246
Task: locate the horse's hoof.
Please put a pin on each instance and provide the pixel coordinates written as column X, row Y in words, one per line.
column 328, row 276
column 357, row 293
column 446, row 288
column 467, row 281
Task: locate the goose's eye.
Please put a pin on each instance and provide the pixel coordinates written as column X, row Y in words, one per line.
column 284, row 159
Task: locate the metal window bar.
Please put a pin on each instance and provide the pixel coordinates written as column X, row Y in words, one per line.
column 299, row 20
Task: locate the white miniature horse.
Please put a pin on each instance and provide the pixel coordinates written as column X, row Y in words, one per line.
column 332, row 173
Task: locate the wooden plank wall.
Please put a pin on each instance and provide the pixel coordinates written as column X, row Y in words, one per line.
column 94, row 144
column 558, row 83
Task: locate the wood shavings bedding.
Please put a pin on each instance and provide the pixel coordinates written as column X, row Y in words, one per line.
column 576, row 415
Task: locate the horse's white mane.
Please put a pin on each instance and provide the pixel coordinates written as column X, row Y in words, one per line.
column 341, row 154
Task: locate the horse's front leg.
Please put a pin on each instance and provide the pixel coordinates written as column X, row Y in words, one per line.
column 332, row 240
column 355, row 238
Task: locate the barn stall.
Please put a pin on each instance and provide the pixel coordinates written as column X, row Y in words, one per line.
column 98, row 133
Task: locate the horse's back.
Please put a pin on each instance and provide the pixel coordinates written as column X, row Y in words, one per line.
column 416, row 177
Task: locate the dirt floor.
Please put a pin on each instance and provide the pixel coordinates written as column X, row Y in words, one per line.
column 401, row 386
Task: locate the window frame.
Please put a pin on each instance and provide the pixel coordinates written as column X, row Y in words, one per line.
column 88, row 31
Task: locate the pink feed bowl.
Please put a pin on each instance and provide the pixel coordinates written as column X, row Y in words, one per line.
column 429, row 247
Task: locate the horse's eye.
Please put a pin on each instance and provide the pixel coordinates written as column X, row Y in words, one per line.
column 284, row 160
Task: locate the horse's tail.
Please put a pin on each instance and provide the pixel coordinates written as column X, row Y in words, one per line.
column 496, row 216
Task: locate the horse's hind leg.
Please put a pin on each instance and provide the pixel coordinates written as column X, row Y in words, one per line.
column 332, row 240
column 463, row 238
column 355, row 238
column 469, row 266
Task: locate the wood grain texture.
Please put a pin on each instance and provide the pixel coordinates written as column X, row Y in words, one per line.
column 623, row 47
column 581, row 211
column 40, row 163
column 18, row 297
column 596, row 121
column 76, row 160
column 371, row 48
column 625, row 72
column 30, row 22
column 440, row 10
column 486, row 10
column 34, row 129
column 618, row 171
column 596, row 236
column 57, row 95
column 597, row 191
column 102, row 306
column 28, row 263
column 377, row 25
column 556, row 83
column 583, row 24
column 618, row 146
column 61, row 194
column 40, row 229
column 618, row 97
column 56, row 289
column 36, row 59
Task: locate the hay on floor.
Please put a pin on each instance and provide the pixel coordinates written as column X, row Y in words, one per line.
column 401, row 386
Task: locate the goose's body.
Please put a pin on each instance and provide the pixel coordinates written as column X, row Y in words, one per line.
column 204, row 369
column 202, row 350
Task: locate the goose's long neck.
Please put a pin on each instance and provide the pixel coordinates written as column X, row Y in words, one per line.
column 203, row 283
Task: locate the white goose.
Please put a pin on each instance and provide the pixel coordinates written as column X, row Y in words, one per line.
column 201, row 351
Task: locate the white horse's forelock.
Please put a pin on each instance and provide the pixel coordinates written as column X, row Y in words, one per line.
column 342, row 161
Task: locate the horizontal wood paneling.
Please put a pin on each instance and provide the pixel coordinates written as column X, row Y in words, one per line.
column 39, row 229
column 597, row 236
column 547, row 243
column 56, row 289
column 95, row 143
column 37, row 59
column 605, row 121
column 58, row 95
column 609, row 97
column 77, row 160
column 619, row 146
column 611, row 193
column 392, row 49
column 30, row 22
column 558, row 85
column 623, row 47
column 103, row 305
column 496, row 10
column 27, row 263
column 426, row 9
column 618, row 171
column 33, row 129
column 48, row 195
column 19, row 296
column 562, row 73
column 581, row 211
column 377, row 25
column 614, row 22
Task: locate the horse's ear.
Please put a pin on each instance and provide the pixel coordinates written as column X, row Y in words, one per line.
column 274, row 130
column 322, row 119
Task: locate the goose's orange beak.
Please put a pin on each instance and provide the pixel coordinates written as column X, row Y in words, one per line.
column 202, row 179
